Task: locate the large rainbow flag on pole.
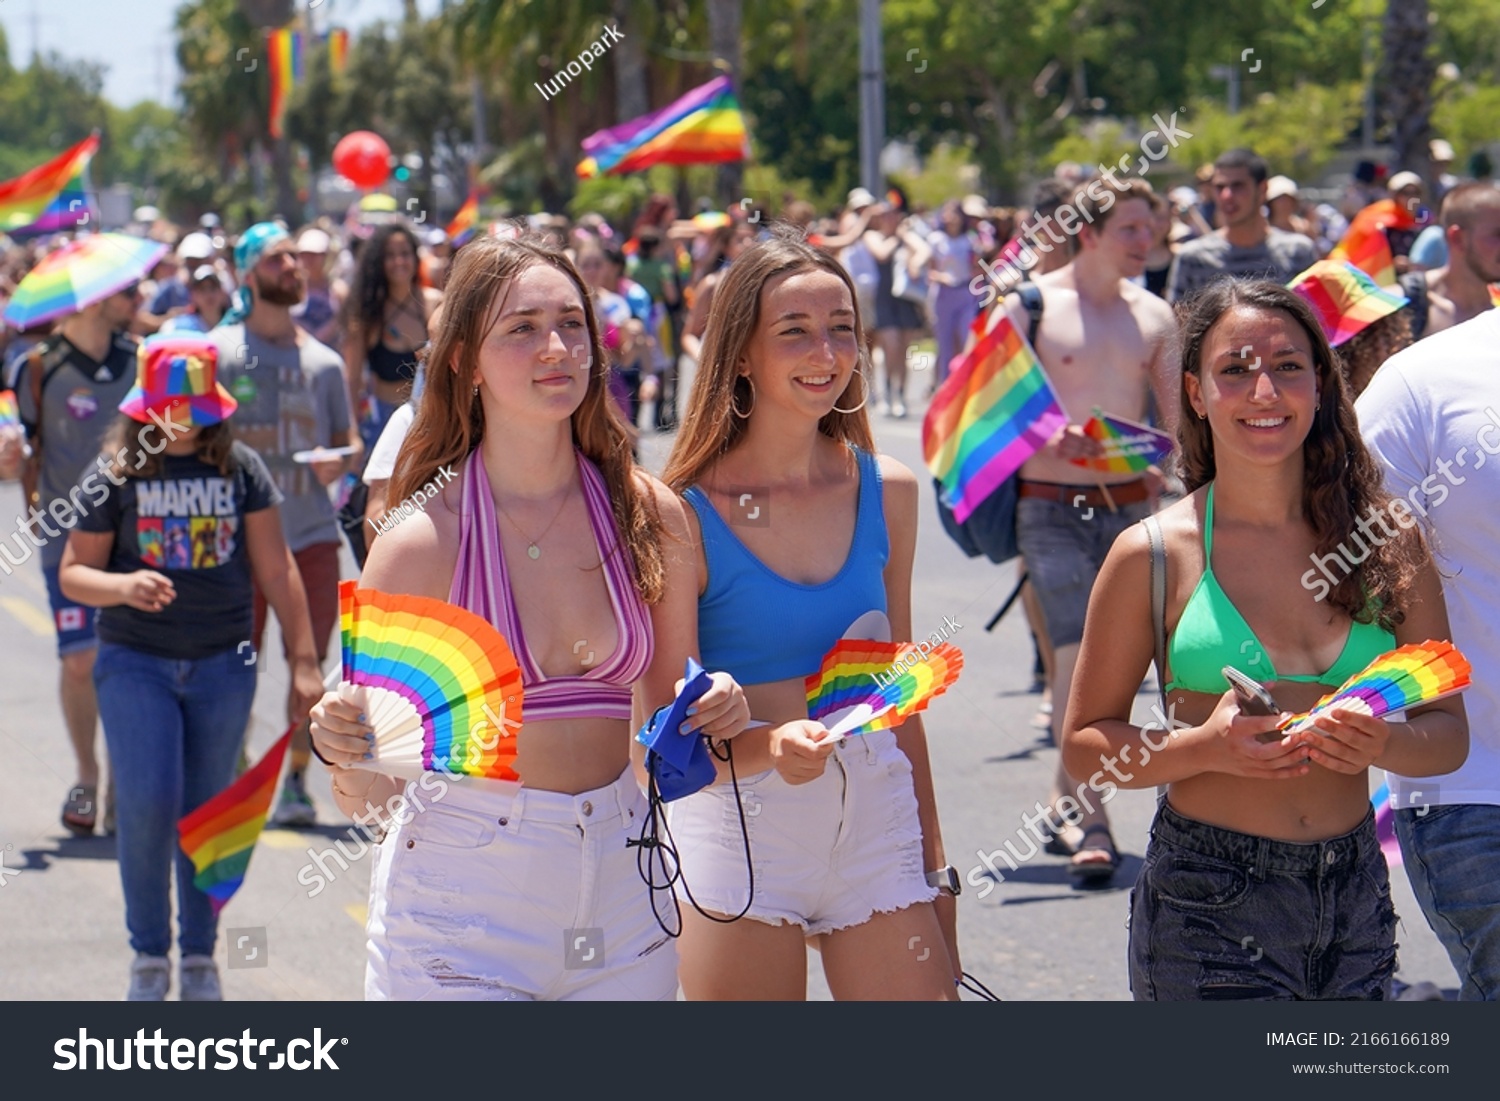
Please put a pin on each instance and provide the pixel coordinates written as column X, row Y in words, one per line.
column 220, row 836
column 1366, row 246
column 704, row 126
column 995, row 410
column 51, row 196
column 284, row 50
column 338, row 50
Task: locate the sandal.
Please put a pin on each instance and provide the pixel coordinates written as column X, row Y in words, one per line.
column 1055, row 844
column 78, row 813
column 1092, row 871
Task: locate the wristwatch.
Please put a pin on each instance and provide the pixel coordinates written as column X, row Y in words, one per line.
column 946, row 879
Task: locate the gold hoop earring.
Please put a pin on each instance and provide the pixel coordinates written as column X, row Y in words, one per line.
column 864, row 387
column 734, row 402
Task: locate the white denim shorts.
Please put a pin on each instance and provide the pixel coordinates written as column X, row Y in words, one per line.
column 827, row 855
column 501, row 892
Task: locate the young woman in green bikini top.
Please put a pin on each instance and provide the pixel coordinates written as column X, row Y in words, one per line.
column 1279, row 480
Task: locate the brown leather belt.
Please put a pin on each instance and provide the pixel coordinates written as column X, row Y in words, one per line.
column 1083, row 496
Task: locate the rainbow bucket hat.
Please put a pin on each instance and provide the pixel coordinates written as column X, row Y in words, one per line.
column 175, row 372
column 1346, row 300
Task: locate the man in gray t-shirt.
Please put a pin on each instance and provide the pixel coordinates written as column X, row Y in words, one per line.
column 292, row 398
column 1247, row 247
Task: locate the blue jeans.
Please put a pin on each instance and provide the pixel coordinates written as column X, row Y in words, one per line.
column 174, row 730
column 1452, row 855
column 1221, row 915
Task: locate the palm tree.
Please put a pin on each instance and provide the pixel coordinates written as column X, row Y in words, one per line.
column 1407, row 75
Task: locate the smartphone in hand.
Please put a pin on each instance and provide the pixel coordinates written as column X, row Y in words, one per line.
column 1253, row 699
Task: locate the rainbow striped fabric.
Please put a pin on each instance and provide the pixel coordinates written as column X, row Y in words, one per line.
column 1366, row 246
column 219, row 837
column 1128, row 447
column 704, row 126
column 284, row 49
column 51, row 196
column 465, row 223
column 10, row 413
column 1385, row 825
column 338, row 50
column 995, row 410
column 1345, row 299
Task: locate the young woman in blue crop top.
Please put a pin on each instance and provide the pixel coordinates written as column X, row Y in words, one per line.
column 1288, row 561
column 525, row 888
column 802, row 529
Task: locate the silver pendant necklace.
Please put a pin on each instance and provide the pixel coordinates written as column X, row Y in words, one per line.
column 532, row 550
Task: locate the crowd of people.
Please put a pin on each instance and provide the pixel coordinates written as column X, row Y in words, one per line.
column 309, row 382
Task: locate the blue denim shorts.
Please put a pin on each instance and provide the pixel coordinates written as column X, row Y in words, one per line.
column 1220, row 915
column 1064, row 547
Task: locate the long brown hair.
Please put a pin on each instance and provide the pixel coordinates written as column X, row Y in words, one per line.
column 710, row 429
column 449, row 423
column 1341, row 481
column 128, row 456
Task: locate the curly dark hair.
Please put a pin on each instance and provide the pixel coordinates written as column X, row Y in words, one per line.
column 367, row 297
column 1341, row 481
column 1364, row 353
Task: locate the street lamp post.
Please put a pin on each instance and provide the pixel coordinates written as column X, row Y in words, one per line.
column 871, row 96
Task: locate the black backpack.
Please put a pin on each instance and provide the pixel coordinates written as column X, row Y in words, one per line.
column 990, row 529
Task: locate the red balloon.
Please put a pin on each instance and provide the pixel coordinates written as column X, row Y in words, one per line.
column 363, row 158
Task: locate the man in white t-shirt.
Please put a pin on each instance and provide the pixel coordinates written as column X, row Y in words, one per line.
column 1431, row 416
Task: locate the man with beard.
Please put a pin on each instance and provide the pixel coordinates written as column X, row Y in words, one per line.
column 1459, row 290
column 292, row 398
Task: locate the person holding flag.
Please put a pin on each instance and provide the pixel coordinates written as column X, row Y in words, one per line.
column 1104, row 342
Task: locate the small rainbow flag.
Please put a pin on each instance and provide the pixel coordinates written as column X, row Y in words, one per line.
column 51, row 196
column 994, row 411
column 10, row 413
column 220, row 836
column 1385, row 825
column 1366, row 246
column 704, row 126
column 1128, row 447
column 284, row 49
column 338, row 50
column 465, row 223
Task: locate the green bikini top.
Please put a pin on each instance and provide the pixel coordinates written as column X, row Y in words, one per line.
column 1212, row 634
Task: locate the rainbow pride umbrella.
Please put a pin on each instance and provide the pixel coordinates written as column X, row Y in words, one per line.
column 441, row 688
column 1128, row 447
column 1408, row 676
column 79, row 274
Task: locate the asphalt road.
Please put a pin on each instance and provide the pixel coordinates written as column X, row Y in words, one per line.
column 1032, row 936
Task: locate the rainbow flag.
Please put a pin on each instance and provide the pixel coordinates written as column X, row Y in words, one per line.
column 51, row 196
column 338, row 50
column 10, row 413
column 1385, row 825
column 704, row 126
column 993, row 412
column 465, row 223
column 1366, row 246
column 220, row 836
column 1129, row 448
column 284, row 50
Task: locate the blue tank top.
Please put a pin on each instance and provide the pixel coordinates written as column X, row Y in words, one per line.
column 759, row 627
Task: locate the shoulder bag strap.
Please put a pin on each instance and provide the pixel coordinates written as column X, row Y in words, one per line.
column 1159, row 614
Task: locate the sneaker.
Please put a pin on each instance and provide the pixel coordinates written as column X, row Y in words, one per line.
column 294, row 808
column 150, row 979
column 898, row 410
column 199, row 977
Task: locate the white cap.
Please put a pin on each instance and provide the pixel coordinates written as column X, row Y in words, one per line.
column 435, row 237
column 313, row 239
column 860, row 198
column 1403, row 180
column 1277, row 186
column 147, row 214
column 195, row 246
column 1439, row 150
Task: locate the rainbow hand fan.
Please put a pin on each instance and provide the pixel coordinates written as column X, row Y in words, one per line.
column 1128, row 447
column 866, row 685
column 10, row 414
column 440, row 686
column 1414, row 674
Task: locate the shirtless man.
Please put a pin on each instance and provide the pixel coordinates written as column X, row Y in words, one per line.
column 1104, row 342
column 1459, row 290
